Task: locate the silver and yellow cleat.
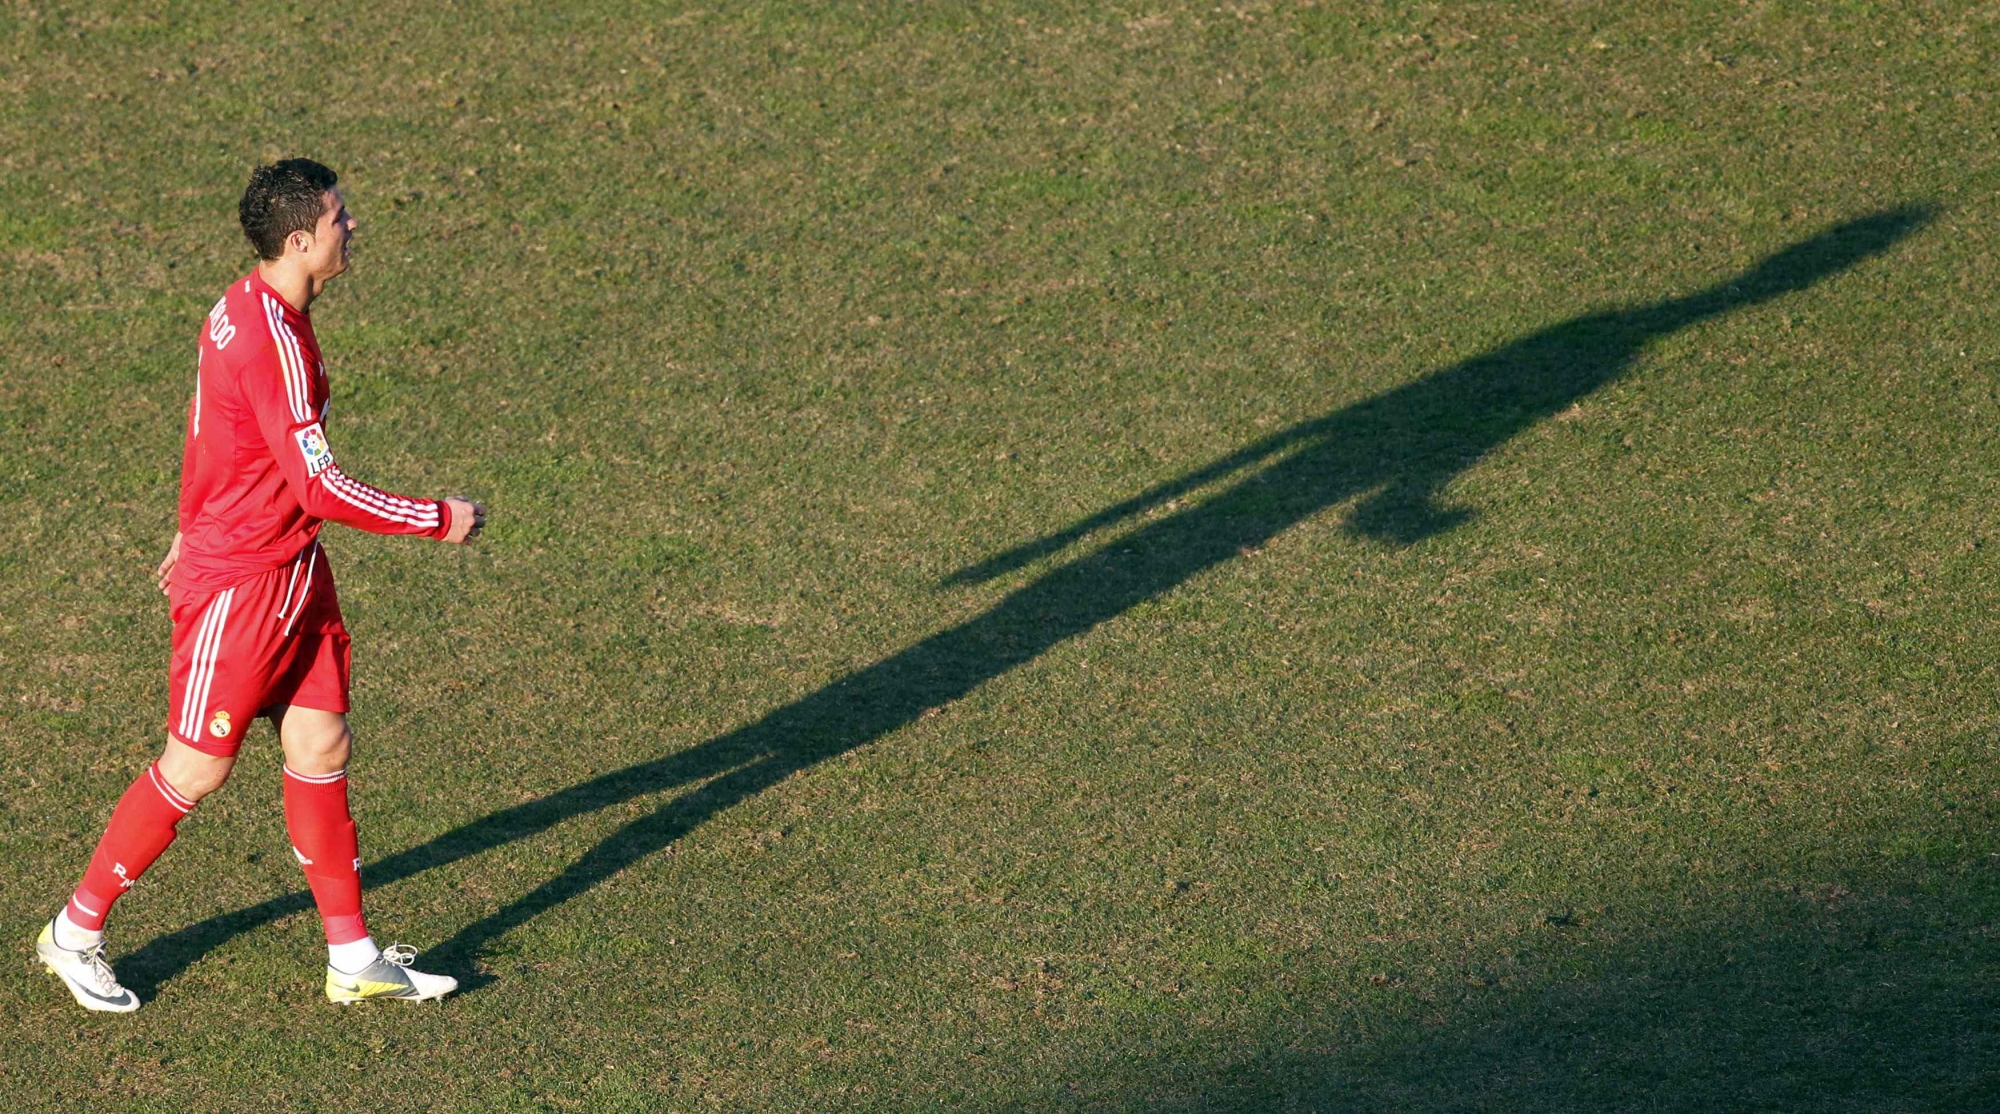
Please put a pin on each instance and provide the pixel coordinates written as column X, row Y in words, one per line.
column 390, row 976
column 85, row 973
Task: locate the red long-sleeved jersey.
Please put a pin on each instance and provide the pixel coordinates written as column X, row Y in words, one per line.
column 257, row 476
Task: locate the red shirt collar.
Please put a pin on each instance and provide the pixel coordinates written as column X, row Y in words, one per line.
column 256, row 280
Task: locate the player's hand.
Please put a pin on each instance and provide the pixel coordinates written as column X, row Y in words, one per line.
column 167, row 563
column 467, row 519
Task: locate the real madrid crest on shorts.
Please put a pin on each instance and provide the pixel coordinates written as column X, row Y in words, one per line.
column 219, row 726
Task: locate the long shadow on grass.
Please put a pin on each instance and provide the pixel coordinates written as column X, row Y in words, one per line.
column 1877, row 992
column 1395, row 451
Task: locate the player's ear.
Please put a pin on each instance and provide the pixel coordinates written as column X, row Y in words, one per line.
column 298, row 241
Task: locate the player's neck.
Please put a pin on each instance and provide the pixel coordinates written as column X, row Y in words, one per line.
column 291, row 281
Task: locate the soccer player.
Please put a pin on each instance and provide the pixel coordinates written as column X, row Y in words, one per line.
column 257, row 626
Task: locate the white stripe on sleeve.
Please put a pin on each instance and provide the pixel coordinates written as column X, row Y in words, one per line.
column 340, row 492
column 372, row 501
column 288, row 359
column 384, row 497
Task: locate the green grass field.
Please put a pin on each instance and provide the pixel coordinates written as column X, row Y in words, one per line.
column 1050, row 557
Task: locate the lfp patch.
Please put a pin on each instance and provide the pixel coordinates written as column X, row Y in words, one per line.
column 313, row 446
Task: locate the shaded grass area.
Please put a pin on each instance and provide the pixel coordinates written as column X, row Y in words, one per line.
column 1785, row 997
column 1273, row 557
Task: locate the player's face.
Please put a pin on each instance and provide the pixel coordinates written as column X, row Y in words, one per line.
column 333, row 238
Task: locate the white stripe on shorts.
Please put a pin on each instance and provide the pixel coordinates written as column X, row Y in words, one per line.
column 203, row 671
column 194, row 666
column 303, row 588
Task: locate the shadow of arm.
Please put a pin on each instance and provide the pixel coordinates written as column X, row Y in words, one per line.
column 1029, row 552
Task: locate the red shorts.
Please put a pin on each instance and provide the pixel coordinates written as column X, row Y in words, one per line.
column 276, row 638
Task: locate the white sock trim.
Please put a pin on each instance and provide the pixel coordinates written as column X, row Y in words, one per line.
column 72, row 936
column 351, row 957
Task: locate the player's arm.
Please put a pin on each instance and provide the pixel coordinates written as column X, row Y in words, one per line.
column 298, row 443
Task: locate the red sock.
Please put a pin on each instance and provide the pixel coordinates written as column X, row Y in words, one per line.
column 323, row 839
column 141, row 827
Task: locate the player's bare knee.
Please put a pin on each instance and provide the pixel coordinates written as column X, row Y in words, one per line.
column 198, row 783
column 321, row 751
column 315, row 742
column 338, row 749
column 193, row 774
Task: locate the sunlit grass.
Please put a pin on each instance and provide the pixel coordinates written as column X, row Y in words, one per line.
column 1644, row 762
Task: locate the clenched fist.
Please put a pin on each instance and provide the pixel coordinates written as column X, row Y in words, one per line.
column 467, row 519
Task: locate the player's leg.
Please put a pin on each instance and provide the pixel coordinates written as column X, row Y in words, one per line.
column 317, row 743
column 216, row 677
column 192, row 773
column 145, row 821
column 223, row 661
column 311, row 718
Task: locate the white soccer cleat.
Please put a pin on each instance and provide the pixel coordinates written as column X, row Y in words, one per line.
column 85, row 972
column 389, row 976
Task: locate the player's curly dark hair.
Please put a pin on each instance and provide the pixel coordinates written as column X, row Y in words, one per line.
column 284, row 197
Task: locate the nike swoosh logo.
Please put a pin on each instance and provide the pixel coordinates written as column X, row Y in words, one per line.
column 124, row 995
column 122, row 998
column 373, row 989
